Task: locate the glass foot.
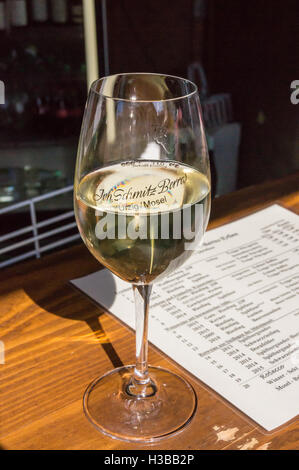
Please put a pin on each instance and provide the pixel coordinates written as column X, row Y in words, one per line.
column 112, row 410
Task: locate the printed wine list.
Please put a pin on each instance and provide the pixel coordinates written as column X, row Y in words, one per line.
column 230, row 314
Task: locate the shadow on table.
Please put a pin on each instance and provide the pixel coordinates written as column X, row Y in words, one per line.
column 63, row 300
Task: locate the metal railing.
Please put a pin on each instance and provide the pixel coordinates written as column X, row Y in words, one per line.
column 34, row 228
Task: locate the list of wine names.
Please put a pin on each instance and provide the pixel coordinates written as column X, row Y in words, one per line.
column 230, row 315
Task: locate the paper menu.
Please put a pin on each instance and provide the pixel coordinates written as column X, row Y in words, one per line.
column 230, row 315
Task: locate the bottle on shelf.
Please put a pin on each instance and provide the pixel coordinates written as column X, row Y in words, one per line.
column 59, row 11
column 39, row 11
column 18, row 13
column 76, row 11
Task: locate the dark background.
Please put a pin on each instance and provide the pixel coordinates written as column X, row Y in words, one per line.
column 249, row 49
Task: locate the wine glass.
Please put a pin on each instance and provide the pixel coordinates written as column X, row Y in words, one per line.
column 142, row 204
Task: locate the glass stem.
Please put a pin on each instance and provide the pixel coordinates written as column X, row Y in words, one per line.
column 141, row 384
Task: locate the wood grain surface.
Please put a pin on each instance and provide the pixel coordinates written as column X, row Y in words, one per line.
column 57, row 341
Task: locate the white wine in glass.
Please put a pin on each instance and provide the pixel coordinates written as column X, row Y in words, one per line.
column 142, row 204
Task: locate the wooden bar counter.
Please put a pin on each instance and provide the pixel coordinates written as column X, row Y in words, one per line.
column 57, row 341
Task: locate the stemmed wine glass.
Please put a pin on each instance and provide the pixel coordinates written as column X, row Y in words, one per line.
column 142, row 204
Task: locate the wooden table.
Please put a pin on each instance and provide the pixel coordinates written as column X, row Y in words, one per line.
column 57, row 341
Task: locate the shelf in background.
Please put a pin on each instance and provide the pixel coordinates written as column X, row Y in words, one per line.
column 48, row 31
column 26, row 140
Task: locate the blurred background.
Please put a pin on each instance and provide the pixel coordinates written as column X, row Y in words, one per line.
column 243, row 56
